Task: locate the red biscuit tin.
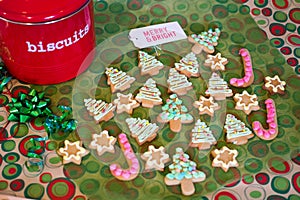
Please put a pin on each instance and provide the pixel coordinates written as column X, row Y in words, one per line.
column 46, row 42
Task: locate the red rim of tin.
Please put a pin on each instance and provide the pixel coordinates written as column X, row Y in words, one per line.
column 35, row 12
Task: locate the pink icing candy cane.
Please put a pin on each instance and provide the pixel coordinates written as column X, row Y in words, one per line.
column 132, row 161
column 248, row 71
column 272, row 132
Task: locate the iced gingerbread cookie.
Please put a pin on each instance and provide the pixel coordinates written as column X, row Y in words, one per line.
column 183, row 172
column 248, row 78
column 175, row 113
column 216, row 62
column 149, row 94
column 188, row 65
column 118, row 80
column 149, row 64
column 72, row 152
column 155, row 158
column 274, row 85
column 201, row 136
column 125, row 103
column 206, row 106
column 225, row 158
column 100, row 110
column 237, row 132
column 133, row 164
column 218, row 88
column 272, row 131
column 178, row 83
column 142, row 130
column 246, row 102
column 205, row 41
column 103, row 143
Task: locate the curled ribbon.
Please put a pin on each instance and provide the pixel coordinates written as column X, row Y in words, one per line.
column 55, row 123
column 3, row 77
column 28, row 106
column 35, row 163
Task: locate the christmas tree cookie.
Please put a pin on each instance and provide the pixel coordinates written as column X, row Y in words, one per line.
column 149, row 94
column 218, row 88
column 201, row 136
column 205, row 41
column 178, row 83
column 100, row 110
column 188, row 65
column 155, row 158
column 175, row 113
column 237, row 132
column 272, row 131
column 149, row 64
column 142, row 130
column 118, row 80
column 183, row 171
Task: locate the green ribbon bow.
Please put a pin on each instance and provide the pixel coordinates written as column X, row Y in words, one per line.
column 55, row 123
column 28, row 106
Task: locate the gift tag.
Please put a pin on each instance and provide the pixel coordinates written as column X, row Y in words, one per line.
column 156, row 34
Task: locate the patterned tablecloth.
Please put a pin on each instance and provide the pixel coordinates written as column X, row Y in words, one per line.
column 267, row 169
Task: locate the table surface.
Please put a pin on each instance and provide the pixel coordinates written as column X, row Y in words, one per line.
column 267, row 169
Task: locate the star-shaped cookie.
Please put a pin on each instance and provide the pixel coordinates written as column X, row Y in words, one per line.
column 72, row 152
column 246, row 102
column 225, row 158
column 216, row 62
column 125, row 103
column 206, row 105
column 155, row 158
column 274, row 85
column 103, row 143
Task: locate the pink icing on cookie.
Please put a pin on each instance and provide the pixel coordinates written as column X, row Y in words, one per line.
column 272, row 132
column 248, row 71
column 133, row 163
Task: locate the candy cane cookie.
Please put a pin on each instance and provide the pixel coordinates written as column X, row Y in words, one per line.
column 272, row 131
column 248, row 71
column 133, row 164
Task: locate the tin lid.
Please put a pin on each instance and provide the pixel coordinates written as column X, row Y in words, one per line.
column 35, row 11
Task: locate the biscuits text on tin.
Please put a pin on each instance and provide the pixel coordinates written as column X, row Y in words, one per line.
column 158, row 34
column 40, row 47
